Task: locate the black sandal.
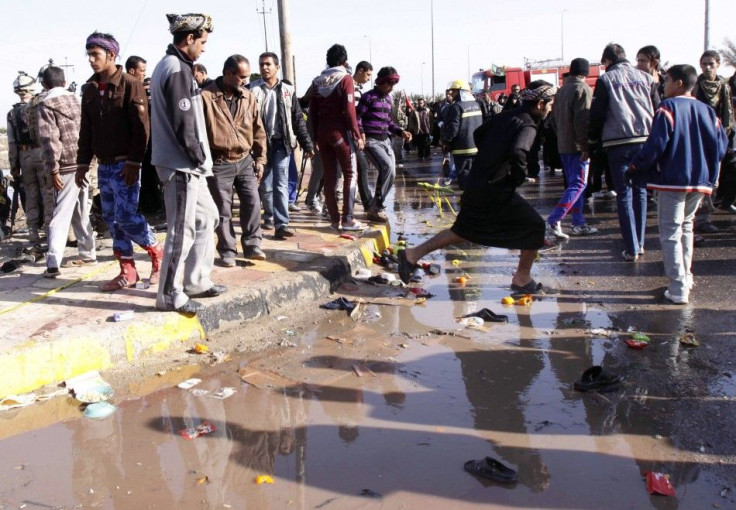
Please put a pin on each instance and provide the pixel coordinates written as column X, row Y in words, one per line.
column 492, row 469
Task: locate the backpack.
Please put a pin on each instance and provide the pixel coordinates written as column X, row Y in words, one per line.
column 21, row 132
column 30, row 116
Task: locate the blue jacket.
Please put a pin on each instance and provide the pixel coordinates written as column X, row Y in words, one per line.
column 685, row 147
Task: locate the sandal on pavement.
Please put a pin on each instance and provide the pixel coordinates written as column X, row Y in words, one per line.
column 72, row 263
column 488, row 316
column 405, row 267
column 596, row 378
column 533, row 287
column 51, row 272
column 492, row 469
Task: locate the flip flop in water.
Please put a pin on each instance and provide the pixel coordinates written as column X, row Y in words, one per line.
column 492, row 469
column 488, row 316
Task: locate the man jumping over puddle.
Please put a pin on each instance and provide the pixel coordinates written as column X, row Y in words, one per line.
column 492, row 212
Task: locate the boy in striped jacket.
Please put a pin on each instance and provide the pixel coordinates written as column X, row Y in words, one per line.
column 682, row 156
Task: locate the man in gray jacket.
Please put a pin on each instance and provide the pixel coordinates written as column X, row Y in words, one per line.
column 621, row 115
column 181, row 154
column 571, row 116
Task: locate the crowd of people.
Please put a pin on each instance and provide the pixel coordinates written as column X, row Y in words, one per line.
column 191, row 143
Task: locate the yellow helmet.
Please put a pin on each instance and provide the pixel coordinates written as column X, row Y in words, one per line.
column 458, row 85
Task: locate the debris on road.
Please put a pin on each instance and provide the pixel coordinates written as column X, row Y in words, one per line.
column 492, row 469
column 189, row 383
column 658, row 483
column 689, row 340
column 123, row 316
column 261, row 479
column 99, row 410
column 202, row 429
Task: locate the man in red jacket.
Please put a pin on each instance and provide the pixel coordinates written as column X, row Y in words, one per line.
column 332, row 114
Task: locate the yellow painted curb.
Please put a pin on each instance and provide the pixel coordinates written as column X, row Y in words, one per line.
column 35, row 364
column 146, row 339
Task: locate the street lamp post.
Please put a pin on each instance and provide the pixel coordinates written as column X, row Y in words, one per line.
column 370, row 55
column 562, row 35
column 422, row 78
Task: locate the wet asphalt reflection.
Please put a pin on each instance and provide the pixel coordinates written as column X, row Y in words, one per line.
column 382, row 410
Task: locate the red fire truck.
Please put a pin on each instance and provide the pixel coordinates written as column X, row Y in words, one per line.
column 499, row 80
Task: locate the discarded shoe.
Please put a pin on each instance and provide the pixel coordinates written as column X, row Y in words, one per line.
column 595, row 378
column 417, row 275
column 492, row 469
column 488, row 316
column 339, row 304
column 72, row 263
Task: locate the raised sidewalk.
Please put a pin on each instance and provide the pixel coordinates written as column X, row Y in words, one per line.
column 53, row 329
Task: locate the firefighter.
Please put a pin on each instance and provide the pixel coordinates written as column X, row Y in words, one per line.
column 463, row 116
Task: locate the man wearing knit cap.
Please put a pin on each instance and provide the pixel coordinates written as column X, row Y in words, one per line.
column 492, row 213
column 570, row 117
column 376, row 125
column 114, row 128
column 181, row 154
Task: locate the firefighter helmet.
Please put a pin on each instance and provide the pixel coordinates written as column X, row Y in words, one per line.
column 23, row 82
column 458, row 85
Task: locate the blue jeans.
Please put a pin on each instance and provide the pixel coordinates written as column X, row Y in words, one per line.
column 274, row 187
column 293, row 179
column 631, row 200
column 573, row 199
column 120, row 210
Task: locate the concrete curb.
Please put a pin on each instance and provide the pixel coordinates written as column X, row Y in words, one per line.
column 74, row 350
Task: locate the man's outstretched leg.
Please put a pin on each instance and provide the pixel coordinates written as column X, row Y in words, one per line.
column 523, row 275
column 409, row 257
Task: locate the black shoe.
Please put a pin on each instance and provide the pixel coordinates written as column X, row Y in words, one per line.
column 267, row 225
column 213, row 291
column 190, row 307
column 492, row 469
column 253, row 253
column 284, row 232
column 596, row 378
column 405, row 268
column 51, row 272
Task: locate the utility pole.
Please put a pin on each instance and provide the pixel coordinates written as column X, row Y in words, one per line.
column 287, row 62
column 263, row 11
column 431, row 8
column 706, row 39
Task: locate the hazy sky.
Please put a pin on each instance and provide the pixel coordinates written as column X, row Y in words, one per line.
column 468, row 34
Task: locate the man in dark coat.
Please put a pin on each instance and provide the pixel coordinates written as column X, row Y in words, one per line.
column 492, row 212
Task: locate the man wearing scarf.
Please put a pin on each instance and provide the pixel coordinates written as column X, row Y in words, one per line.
column 492, row 213
column 114, row 128
column 376, row 125
column 712, row 90
column 181, row 153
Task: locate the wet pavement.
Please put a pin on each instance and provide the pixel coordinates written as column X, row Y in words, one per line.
column 382, row 409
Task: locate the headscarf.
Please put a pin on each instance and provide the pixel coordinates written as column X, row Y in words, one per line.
column 106, row 43
column 190, row 22
column 538, row 94
column 389, row 79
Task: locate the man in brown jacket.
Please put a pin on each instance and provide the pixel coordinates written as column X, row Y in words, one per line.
column 238, row 144
column 58, row 131
column 115, row 130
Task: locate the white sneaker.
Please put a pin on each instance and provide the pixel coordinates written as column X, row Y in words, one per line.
column 609, row 194
column 557, row 231
column 582, row 230
column 677, row 301
column 553, row 234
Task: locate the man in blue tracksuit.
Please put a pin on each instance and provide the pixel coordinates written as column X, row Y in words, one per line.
column 681, row 158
